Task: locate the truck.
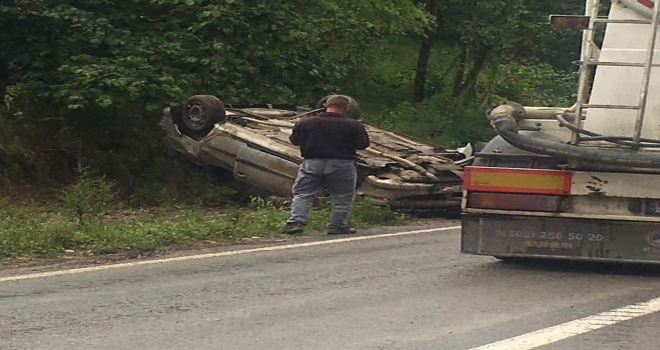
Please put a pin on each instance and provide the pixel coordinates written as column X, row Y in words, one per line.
column 579, row 182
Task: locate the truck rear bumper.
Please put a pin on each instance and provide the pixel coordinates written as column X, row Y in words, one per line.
column 560, row 238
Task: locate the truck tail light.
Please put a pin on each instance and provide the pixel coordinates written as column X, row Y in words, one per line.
column 517, row 180
column 511, row 201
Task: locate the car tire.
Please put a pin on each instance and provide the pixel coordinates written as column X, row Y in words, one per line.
column 200, row 114
column 353, row 112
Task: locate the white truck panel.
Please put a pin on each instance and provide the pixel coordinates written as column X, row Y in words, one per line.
column 615, row 184
column 641, row 7
column 622, row 85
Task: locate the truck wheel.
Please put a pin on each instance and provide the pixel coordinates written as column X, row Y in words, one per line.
column 354, row 111
column 200, row 114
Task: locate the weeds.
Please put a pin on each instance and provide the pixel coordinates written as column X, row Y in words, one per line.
column 89, row 196
column 32, row 230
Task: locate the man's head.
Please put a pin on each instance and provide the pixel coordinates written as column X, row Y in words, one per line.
column 337, row 104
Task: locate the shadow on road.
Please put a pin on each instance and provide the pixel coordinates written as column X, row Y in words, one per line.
column 606, row 268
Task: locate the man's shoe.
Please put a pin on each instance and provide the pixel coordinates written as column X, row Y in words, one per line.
column 341, row 231
column 290, row 229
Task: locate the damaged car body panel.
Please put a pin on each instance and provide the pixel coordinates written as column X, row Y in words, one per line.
column 253, row 143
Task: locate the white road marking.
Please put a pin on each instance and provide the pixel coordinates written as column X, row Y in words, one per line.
column 220, row 254
column 570, row 329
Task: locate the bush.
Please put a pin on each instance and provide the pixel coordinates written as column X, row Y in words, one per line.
column 530, row 84
column 89, row 196
column 438, row 119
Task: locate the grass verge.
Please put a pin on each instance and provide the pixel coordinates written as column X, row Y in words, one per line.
column 31, row 230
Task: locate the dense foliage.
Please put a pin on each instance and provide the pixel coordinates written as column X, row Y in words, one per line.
column 83, row 81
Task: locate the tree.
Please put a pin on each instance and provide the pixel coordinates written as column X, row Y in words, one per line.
column 236, row 49
column 90, row 77
column 493, row 31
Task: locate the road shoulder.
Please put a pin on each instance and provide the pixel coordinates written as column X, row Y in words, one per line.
column 44, row 265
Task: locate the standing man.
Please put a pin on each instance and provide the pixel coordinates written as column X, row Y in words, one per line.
column 328, row 142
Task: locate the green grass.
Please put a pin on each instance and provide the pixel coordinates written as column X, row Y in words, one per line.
column 30, row 230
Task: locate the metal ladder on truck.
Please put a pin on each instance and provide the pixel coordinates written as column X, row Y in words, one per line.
column 588, row 63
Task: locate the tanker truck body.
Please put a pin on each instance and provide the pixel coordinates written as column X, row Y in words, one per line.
column 581, row 182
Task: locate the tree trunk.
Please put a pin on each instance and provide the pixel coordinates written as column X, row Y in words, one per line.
column 422, row 69
column 460, row 69
column 4, row 81
column 419, row 89
column 466, row 88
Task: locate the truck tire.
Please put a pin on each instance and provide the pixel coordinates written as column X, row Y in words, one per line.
column 353, row 112
column 200, row 114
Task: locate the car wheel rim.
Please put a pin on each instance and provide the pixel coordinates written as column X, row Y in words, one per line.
column 196, row 116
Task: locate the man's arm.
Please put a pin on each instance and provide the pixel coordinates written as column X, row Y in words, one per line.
column 295, row 135
column 361, row 137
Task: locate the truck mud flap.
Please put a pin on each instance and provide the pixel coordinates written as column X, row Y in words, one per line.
column 589, row 239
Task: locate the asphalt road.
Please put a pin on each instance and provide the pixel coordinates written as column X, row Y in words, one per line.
column 412, row 291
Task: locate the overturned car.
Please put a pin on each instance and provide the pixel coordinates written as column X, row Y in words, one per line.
column 252, row 141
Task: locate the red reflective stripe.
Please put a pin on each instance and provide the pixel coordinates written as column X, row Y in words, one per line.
column 512, row 201
column 647, row 3
column 512, row 184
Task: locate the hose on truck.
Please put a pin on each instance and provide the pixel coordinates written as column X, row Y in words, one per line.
column 504, row 119
column 619, row 140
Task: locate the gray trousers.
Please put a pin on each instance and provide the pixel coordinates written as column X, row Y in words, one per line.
column 338, row 176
